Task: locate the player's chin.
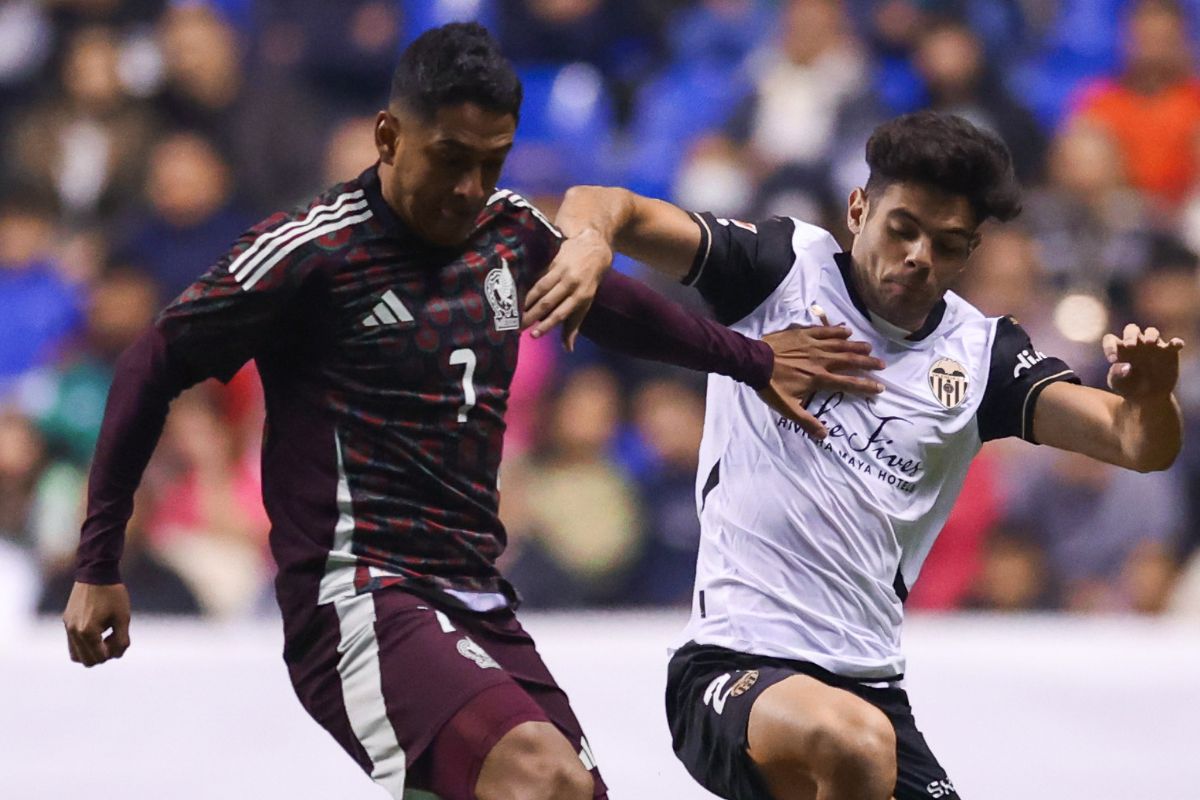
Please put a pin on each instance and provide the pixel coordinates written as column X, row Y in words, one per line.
column 450, row 231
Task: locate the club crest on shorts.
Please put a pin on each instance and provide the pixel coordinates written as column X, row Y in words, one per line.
column 501, row 292
column 744, row 683
column 948, row 381
column 468, row 649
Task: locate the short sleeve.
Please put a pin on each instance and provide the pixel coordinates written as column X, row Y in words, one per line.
column 739, row 264
column 1017, row 376
column 233, row 311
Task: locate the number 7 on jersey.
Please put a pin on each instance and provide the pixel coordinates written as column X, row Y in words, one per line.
column 466, row 358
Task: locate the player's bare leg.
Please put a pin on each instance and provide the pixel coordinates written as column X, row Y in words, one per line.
column 534, row 761
column 814, row 742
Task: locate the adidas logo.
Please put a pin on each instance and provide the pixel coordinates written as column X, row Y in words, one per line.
column 388, row 311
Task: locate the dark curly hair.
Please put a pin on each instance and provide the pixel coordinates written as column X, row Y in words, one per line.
column 456, row 63
column 947, row 153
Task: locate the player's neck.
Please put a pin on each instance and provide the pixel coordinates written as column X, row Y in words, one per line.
column 881, row 319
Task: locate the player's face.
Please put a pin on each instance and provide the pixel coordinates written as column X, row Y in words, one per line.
column 911, row 243
column 438, row 173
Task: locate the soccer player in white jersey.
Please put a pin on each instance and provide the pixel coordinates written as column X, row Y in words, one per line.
column 788, row 681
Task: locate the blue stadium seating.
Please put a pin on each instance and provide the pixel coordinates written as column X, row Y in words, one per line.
column 670, row 111
column 567, row 128
column 421, row 15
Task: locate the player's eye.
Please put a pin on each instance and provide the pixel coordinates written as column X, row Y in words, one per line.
column 953, row 249
column 902, row 232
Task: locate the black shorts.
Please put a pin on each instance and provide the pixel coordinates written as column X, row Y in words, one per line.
column 710, row 691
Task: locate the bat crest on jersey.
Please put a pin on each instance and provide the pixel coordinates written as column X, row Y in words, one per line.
column 948, row 381
column 501, row 292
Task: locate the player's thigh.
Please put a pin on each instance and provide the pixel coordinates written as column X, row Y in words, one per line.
column 506, row 639
column 803, row 729
column 803, row 721
column 388, row 676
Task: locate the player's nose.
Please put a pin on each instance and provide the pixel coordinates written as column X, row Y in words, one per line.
column 920, row 254
column 470, row 186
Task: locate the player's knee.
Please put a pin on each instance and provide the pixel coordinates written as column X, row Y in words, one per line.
column 533, row 763
column 858, row 747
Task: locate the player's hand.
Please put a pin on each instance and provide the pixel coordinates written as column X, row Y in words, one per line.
column 92, row 610
column 564, row 294
column 812, row 359
column 1144, row 365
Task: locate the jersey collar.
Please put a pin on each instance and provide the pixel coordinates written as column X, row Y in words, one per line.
column 883, row 326
column 392, row 222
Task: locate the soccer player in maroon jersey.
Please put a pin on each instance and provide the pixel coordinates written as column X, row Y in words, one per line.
column 384, row 318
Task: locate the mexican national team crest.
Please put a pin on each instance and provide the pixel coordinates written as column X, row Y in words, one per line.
column 501, row 292
column 948, row 380
column 468, row 649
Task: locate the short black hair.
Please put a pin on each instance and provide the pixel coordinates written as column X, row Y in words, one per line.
column 456, row 63
column 948, row 153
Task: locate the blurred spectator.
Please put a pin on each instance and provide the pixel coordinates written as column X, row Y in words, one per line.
column 208, row 521
column 1012, row 576
column 953, row 567
column 1168, row 297
column 577, row 531
column 1006, row 276
column 67, row 398
column 1153, row 107
column 350, row 150
column 26, row 44
column 86, row 145
column 959, row 79
column 22, row 460
column 344, row 53
column 802, row 82
column 721, row 32
column 209, row 89
column 1108, row 533
column 192, row 218
column 670, row 417
column 40, row 308
column 154, row 588
column 1088, row 221
column 617, row 38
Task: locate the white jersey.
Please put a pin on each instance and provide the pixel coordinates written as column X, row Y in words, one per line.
column 808, row 547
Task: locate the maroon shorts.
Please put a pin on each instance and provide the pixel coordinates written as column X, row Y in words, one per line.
column 385, row 672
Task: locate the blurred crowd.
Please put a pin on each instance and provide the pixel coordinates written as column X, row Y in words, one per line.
column 140, row 137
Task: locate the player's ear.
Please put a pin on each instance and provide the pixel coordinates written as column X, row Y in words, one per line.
column 387, row 134
column 856, row 212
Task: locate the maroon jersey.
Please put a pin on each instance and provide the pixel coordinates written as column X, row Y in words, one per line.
column 386, row 363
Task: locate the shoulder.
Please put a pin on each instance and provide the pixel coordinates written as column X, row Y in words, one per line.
column 288, row 238
column 506, row 205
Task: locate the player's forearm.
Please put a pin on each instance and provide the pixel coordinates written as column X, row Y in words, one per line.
column 652, row 231
column 144, row 383
column 1150, row 431
column 632, row 319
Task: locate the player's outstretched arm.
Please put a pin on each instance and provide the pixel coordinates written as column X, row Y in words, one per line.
column 146, row 379
column 1138, row 425
column 784, row 368
column 596, row 220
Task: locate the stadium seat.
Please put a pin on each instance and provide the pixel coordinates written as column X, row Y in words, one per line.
column 566, row 130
